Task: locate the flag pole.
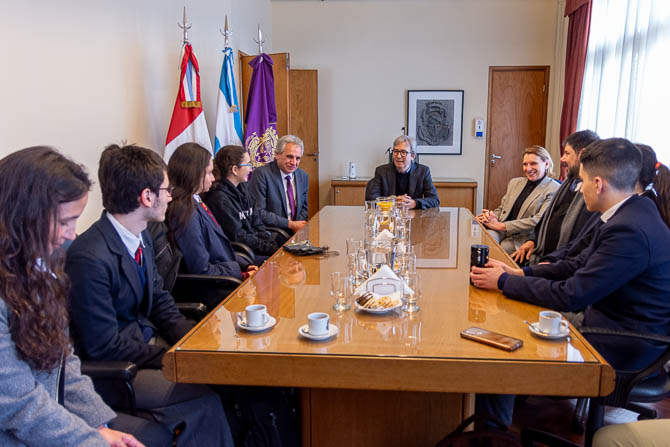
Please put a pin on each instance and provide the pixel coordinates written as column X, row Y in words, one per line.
column 226, row 33
column 184, row 26
column 260, row 40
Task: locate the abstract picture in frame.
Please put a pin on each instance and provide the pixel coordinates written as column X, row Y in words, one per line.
column 435, row 121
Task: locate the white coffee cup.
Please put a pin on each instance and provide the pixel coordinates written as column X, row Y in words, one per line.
column 318, row 323
column 552, row 322
column 257, row 315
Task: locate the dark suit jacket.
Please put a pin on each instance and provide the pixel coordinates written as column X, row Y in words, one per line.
column 624, row 276
column 205, row 247
column 420, row 188
column 267, row 190
column 107, row 300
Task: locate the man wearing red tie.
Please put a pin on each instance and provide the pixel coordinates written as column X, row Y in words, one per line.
column 118, row 307
column 279, row 188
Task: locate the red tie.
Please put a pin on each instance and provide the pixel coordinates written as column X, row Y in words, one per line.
column 210, row 213
column 138, row 255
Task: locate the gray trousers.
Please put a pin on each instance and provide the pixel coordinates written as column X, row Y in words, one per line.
column 194, row 409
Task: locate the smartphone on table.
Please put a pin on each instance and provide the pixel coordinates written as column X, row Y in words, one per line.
column 494, row 339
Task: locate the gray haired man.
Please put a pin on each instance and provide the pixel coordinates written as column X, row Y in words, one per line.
column 410, row 182
column 279, row 189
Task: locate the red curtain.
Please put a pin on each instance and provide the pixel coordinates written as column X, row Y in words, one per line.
column 579, row 14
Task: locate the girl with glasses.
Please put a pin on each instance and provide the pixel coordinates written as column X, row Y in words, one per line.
column 233, row 206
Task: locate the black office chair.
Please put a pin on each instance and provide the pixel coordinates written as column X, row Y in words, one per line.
column 186, row 287
column 649, row 384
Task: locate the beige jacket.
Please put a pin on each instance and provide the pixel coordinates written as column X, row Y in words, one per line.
column 530, row 212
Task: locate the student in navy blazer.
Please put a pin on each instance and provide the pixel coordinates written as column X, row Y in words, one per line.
column 119, row 309
column 277, row 205
column 204, row 245
column 621, row 281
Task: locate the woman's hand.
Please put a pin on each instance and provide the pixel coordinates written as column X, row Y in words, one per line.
column 494, row 224
column 119, row 439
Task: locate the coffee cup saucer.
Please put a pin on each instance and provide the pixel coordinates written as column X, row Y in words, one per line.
column 304, row 331
column 535, row 330
column 242, row 324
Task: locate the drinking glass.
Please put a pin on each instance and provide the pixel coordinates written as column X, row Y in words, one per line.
column 353, row 245
column 362, row 265
column 337, row 281
column 411, row 263
column 378, row 253
column 414, row 284
column 354, row 267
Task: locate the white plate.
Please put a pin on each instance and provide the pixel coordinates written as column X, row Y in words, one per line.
column 332, row 331
column 377, row 311
column 535, row 330
column 242, row 324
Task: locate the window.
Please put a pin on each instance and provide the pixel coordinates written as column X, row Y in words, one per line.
column 626, row 89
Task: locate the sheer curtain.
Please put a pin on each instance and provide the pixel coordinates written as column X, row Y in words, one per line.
column 626, row 88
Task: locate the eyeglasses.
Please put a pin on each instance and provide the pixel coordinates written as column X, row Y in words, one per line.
column 169, row 189
column 245, row 164
column 402, row 154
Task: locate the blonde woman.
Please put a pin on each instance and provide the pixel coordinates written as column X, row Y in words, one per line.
column 524, row 202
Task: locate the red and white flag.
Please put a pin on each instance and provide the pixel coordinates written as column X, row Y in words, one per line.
column 188, row 123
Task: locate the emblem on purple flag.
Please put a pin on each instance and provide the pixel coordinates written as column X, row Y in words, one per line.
column 260, row 118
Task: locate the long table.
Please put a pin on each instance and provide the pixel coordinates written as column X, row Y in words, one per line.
column 395, row 379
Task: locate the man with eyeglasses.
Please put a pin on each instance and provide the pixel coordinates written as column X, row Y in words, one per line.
column 118, row 307
column 409, row 182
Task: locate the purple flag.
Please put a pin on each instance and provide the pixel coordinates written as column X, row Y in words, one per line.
column 260, row 136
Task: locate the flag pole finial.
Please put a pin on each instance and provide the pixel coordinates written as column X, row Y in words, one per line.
column 260, row 40
column 226, row 33
column 185, row 26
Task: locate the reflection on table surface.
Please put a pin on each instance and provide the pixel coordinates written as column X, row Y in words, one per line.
column 292, row 287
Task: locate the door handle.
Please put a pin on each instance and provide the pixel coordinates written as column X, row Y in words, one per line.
column 495, row 157
column 315, row 155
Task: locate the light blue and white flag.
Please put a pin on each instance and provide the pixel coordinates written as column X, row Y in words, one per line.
column 228, row 122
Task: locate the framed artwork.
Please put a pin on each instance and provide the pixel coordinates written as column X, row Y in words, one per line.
column 435, row 121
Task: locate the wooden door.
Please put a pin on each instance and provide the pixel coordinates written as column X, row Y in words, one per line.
column 303, row 122
column 517, row 119
column 280, row 69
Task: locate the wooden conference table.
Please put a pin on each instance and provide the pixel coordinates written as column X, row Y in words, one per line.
column 394, row 379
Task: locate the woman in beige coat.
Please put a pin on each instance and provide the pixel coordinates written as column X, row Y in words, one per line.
column 524, row 202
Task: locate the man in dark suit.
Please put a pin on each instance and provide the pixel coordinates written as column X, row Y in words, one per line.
column 119, row 309
column 567, row 213
column 621, row 281
column 279, row 189
column 410, row 182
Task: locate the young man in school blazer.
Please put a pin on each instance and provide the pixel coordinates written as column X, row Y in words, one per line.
column 119, row 310
column 279, row 189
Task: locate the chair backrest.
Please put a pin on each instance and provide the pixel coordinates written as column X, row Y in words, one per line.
column 168, row 256
column 627, row 380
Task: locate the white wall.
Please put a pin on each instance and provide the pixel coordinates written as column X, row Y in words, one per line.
column 79, row 75
column 370, row 52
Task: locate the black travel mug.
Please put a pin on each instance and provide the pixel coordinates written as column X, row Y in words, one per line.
column 479, row 256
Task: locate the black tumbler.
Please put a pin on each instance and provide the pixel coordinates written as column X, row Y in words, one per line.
column 479, row 256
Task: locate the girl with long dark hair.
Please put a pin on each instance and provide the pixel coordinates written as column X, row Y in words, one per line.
column 191, row 224
column 45, row 399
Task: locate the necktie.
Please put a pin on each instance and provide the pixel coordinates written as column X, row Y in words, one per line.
column 291, row 199
column 209, row 212
column 138, row 255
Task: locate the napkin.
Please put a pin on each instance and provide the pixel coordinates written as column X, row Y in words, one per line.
column 385, row 235
column 384, row 272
